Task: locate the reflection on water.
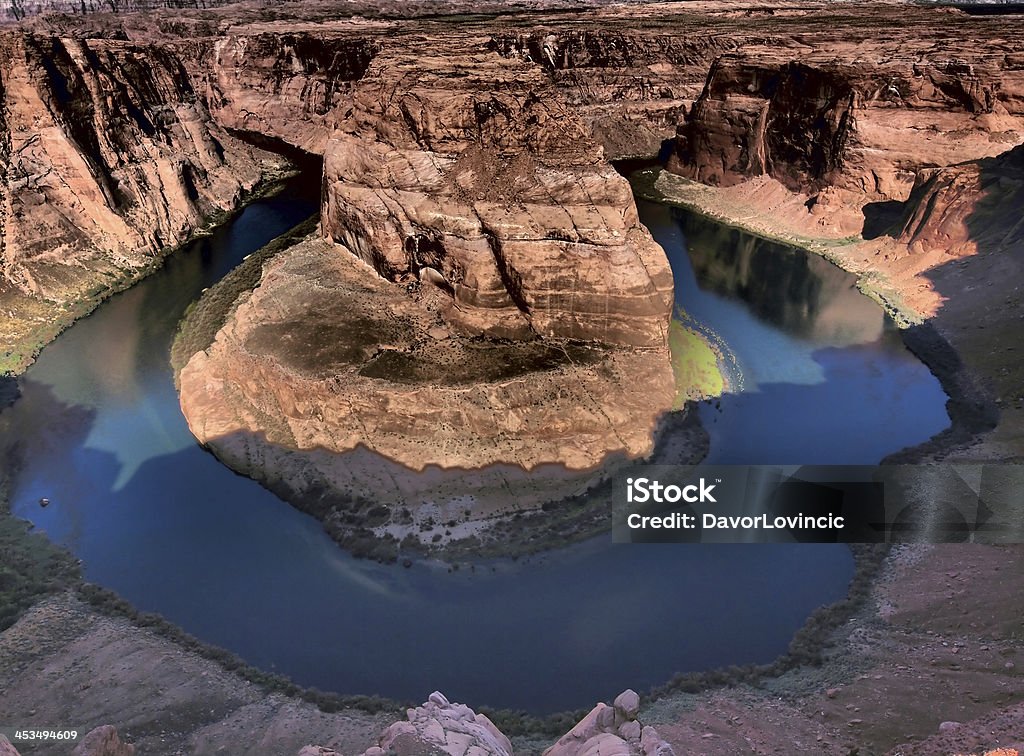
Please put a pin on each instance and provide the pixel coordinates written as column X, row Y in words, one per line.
column 802, row 295
column 818, row 373
column 99, row 432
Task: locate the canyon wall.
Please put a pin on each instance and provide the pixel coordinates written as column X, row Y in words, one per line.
column 465, row 170
column 109, row 157
column 630, row 88
column 964, row 208
column 867, row 126
column 290, row 88
column 16, row 10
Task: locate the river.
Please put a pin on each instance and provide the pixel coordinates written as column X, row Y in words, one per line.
column 157, row 519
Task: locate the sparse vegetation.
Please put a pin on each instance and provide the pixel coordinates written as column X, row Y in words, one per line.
column 207, row 315
column 808, row 646
column 695, row 364
column 31, row 567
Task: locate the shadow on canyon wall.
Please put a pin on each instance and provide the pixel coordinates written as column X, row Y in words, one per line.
column 972, row 211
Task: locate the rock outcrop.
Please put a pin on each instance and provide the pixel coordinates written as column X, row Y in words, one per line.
column 484, row 303
column 963, row 208
column 440, row 728
column 612, row 731
column 103, row 741
column 355, row 384
column 476, row 178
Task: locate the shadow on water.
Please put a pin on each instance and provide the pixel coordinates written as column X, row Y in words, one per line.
column 160, row 521
column 235, row 567
column 817, row 373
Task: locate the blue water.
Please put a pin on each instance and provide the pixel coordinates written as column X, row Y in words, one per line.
column 160, row 521
column 817, row 372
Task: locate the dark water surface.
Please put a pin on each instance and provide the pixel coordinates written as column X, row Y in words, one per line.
column 161, row 522
column 817, row 372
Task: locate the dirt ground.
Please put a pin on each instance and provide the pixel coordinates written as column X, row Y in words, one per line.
column 63, row 664
column 939, row 642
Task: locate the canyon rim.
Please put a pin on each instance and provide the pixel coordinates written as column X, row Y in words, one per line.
column 476, row 325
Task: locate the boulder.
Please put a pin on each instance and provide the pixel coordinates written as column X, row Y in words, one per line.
column 103, row 741
column 441, row 728
column 611, row 731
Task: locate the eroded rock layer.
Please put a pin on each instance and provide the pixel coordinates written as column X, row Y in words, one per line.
column 468, row 171
column 484, row 301
column 111, row 156
column 863, row 123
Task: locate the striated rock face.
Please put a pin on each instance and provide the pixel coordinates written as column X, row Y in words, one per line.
column 630, row 88
column 290, row 87
column 865, row 125
column 962, row 208
column 110, row 156
column 789, row 120
column 476, row 178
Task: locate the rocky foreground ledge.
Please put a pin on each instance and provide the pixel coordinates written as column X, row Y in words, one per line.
column 441, row 728
column 445, row 729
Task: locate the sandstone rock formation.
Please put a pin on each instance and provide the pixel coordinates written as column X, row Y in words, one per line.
column 441, row 728
column 485, row 301
column 287, row 88
column 381, row 395
column 501, row 193
column 867, row 125
column 612, row 731
column 961, row 209
column 108, row 158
